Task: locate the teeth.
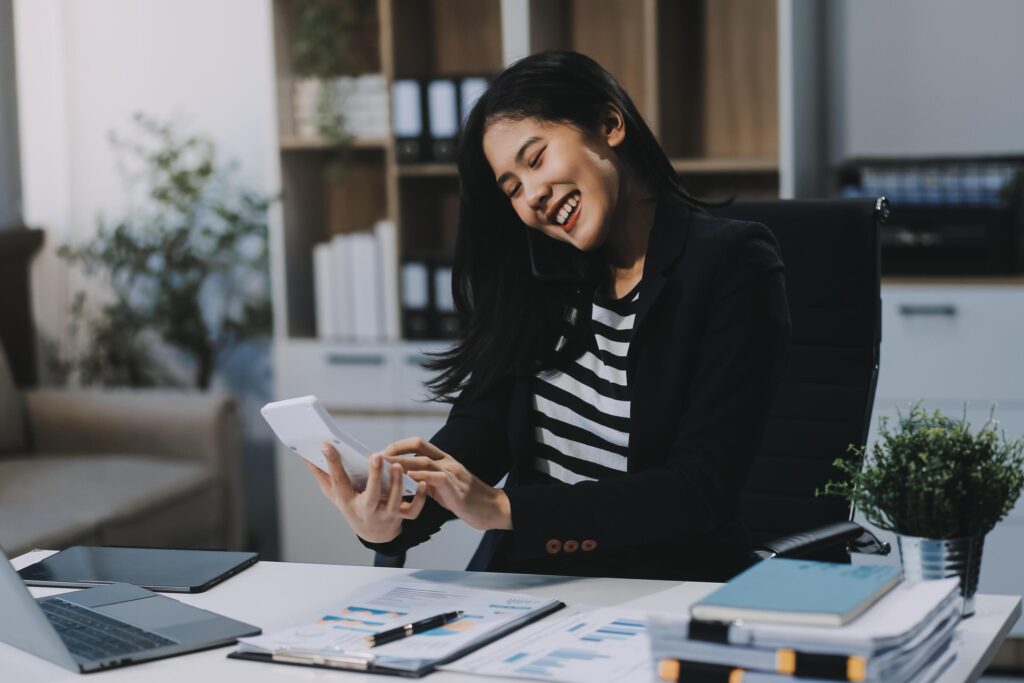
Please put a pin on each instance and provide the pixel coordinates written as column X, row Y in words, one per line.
column 567, row 209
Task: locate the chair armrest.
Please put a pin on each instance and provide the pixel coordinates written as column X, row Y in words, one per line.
column 168, row 423
column 853, row 535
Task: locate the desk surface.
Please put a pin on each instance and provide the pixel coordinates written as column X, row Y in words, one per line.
column 276, row 595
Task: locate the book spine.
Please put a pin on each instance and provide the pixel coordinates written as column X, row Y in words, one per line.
column 827, row 667
column 677, row 670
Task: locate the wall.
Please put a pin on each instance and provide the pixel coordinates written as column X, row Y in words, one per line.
column 10, row 180
column 85, row 67
column 925, row 77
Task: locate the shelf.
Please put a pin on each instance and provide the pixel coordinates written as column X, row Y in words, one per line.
column 726, row 165
column 428, row 170
column 292, row 143
column 954, row 280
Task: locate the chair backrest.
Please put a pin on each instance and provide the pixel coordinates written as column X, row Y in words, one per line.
column 823, row 405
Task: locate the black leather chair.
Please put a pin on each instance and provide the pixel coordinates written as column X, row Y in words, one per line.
column 831, row 252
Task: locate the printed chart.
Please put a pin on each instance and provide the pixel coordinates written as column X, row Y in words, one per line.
column 579, row 643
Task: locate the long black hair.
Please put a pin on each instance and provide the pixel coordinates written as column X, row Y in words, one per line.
column 514, row 288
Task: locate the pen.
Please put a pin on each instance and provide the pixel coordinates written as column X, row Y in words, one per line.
column 409, row 629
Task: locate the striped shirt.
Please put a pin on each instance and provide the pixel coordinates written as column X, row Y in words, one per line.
column 581, row 410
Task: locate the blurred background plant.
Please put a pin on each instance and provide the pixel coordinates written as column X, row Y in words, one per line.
column 188, row 266
column 932, row 477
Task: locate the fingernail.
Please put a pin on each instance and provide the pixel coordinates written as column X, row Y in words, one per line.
column 375, row 459
column 325, row 449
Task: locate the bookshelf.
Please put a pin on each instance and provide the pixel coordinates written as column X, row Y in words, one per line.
column 721, row 83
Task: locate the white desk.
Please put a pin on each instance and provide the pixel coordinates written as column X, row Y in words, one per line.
column 275, row 595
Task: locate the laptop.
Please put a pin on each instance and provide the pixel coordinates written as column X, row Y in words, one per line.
column 108, row 626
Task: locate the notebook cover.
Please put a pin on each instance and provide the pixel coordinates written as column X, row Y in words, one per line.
column 799, row 591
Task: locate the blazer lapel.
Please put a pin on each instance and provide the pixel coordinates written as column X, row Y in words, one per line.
column 668, row 237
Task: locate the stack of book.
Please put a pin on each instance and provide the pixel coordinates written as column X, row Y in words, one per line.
column 359, row 104
column 355, row 285
column 786, row 619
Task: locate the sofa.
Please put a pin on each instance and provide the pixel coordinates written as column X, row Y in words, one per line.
column 159, row 468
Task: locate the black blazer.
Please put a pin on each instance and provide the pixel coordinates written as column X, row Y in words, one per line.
column 708, row 346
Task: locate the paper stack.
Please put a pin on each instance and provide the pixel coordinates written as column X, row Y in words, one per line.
column 355, row 285
column 358, row 103
column 904, row 636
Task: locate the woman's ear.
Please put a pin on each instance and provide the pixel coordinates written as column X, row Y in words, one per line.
column 613, row 126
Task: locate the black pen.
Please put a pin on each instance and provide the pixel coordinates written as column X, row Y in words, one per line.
column 409, row 629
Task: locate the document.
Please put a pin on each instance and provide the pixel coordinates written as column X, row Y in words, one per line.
column 340, row 630
column 580, row 644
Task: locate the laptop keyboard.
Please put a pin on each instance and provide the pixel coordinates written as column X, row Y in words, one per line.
column 95, row 636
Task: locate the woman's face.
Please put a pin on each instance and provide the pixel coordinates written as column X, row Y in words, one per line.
column 559, row 179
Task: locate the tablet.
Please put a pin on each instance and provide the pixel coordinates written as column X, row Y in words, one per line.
column 165, row 570
column 304, row 425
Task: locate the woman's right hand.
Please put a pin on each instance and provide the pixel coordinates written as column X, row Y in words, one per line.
column 374, row 518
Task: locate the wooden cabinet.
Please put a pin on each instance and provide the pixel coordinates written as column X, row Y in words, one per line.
column 722, row 83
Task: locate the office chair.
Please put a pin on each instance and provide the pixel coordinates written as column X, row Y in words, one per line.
column 824, row 401
column 823, row 404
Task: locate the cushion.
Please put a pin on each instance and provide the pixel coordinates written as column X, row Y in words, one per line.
column 55, row 501
column 12, row 412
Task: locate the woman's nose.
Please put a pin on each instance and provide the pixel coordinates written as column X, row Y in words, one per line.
column 537, row 195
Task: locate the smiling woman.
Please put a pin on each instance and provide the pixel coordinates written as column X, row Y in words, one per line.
column 620, row 349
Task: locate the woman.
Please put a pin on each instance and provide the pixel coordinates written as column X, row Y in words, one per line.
column 619, row 354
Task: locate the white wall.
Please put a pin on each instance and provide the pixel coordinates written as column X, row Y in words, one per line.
column 10, row 180
column 85, row 67
column 926, row 77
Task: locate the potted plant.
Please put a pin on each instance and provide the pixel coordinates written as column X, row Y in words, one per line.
column 187, row 266
column 939, row 487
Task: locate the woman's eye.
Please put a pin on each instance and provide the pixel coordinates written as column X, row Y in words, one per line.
column 513, row 190
column 536, row 160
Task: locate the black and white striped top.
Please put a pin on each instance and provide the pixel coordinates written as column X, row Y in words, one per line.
column 581, row 411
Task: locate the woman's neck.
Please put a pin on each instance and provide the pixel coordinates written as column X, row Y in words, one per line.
column 626, row 247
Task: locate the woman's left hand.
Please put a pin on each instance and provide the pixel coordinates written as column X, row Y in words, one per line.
column 452, row 485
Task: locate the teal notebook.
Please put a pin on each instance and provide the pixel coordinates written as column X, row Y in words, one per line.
column 798, row 592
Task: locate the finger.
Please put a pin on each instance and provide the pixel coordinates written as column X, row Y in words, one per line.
column 373, row 480
column 340, row 482
column 415, row 462
column 433, row 479
column 395, row 492
column 414, row 444
column 411, row 510
column 321, row 477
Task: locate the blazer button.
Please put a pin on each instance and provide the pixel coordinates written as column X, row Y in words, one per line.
column 588, row 545
column 553, row 546
column 570, row 546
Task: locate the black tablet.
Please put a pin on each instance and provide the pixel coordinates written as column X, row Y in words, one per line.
column 158, row 569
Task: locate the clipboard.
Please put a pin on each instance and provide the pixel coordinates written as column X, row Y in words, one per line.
column 368, row 665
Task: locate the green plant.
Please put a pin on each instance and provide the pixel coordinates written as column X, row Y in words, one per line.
column 188, row 266
column 321, row 38
column 932, row 477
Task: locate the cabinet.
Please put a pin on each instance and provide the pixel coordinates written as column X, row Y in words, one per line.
column 724, row 84
column 956, row 347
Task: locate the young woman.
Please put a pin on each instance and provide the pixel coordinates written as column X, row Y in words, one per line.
column 620, row 350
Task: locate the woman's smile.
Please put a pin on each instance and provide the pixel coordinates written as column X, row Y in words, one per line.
column 565, row 212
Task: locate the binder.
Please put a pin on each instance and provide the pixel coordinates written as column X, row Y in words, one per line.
column 443, row 118
column 446, row 319
column 407, row 120
column 470, row 90
column 416, row 299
